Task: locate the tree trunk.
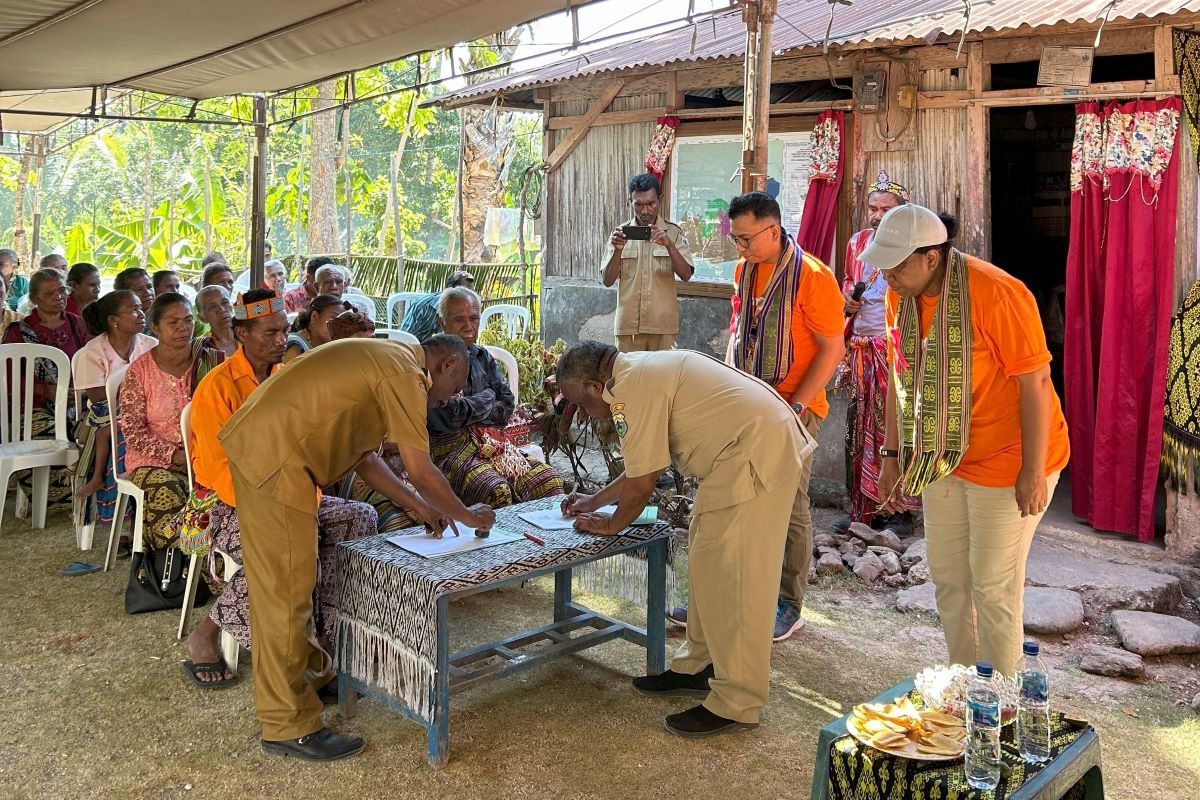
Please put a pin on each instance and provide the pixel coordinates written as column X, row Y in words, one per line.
column 322, row 159
column 20, row 236
column 487, row 136
column 147, row 198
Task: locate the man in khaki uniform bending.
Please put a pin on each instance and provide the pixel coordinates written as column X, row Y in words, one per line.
column 645, row 270
column 303, row 428
column 744, row 443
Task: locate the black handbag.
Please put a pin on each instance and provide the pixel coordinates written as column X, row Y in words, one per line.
column 158, row 581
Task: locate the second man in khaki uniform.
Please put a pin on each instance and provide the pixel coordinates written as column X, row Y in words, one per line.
column 744, row 443
column 645, row 270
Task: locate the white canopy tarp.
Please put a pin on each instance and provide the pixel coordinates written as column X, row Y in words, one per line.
column 223, row 47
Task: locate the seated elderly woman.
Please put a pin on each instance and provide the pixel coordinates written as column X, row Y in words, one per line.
column 480, row 467
column 49, row 323
column 215, row 310
column 311, row 327
column 116, row 322
column 156, row 388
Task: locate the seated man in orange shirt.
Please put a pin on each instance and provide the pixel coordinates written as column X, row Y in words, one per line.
column 788, row 333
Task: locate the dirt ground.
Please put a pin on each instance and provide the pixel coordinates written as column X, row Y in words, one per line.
column 99, row 708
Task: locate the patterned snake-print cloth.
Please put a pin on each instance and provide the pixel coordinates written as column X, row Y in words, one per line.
column 387, row 597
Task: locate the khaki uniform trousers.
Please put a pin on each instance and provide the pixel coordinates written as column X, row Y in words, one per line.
column 978, row 543
column 279, row 550
column 797, row 554
column 734, row 554
column 637, row 342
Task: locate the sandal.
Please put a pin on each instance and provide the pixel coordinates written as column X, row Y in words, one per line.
column 79, row 568
column 215, row 667
column 124, row 549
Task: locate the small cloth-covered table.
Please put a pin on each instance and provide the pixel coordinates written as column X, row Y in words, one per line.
column 393, row 622
column 848, row 770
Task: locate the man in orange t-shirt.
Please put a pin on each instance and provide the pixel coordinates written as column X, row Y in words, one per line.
column 787, row 333
column 984, row 437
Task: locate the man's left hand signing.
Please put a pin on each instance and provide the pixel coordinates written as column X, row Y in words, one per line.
column 595, row 522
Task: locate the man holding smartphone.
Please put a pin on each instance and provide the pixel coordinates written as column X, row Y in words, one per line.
column 644, row 256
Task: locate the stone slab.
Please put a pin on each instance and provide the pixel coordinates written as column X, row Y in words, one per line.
column 917, row 598
column 1149, row 634
column 1111, row 661
column 1052, row 611
column 1103, row 584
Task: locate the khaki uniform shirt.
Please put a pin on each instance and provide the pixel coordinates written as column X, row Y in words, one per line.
column 312, row 422
column 646, row 299
column 728, row 428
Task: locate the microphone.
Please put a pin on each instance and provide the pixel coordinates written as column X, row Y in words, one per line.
column 859, row 289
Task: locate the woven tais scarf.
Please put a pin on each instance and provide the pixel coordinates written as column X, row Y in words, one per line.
column 935, row 421
column 764, row 348
column 1181, row 423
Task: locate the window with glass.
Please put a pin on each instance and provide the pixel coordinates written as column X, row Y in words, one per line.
column 705, row 177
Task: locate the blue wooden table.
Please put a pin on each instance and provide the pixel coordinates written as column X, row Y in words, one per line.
column 574, row 628
column 1077, row 765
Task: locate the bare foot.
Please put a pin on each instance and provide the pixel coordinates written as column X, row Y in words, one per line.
column 203, row 647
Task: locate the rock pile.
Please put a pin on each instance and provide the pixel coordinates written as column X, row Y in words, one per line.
column 875, row 557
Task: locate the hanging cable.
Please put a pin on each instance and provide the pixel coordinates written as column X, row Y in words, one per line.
column 966, row 27
column 1103, row 22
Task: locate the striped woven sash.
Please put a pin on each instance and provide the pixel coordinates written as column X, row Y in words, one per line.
column 935, row 421
column 764, row 347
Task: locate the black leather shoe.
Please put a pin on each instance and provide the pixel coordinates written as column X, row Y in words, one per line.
column 324, row 745
column 699, row 721
column 675, row 684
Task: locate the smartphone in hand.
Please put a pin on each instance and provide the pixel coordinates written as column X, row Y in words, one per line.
column 636, row 232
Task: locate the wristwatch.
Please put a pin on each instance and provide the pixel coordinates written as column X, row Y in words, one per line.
column 798, row 408
column 886, row 453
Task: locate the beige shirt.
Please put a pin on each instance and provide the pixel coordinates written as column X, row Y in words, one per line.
column 314, row 420
column 646, row 299
column 727, row 428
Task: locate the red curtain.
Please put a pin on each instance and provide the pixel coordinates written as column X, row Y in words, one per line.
column 1120, row 276
column 818, row 222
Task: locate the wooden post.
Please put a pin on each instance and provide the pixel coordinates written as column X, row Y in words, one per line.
column 258, row 212
column 977, row 200
column 395, row 195
column 38, row 144
column 759, row 16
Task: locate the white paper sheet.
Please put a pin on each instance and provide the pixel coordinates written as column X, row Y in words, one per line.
column 429, row 547
column 551, row 519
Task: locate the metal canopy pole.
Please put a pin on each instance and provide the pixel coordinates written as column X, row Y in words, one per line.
column 258, row 208
column 759, row 16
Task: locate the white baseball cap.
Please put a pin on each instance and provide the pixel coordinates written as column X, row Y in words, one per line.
column 901, row 231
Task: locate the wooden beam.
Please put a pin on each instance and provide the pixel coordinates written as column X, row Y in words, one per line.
column 651, row 114
column 676, row 97
column 1029, row 48
column 943, row 99
column 609, row 118
column 566, row 146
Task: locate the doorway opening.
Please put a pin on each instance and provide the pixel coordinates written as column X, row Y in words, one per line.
column 1031, row 208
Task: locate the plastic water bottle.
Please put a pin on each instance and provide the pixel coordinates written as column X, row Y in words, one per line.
column 1033, row 719
column 983, row 730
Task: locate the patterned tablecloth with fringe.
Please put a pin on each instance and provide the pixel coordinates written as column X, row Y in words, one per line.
column 387, row 597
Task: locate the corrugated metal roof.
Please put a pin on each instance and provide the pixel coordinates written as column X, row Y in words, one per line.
column 802, row 24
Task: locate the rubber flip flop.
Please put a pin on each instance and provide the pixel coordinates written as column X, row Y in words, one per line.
column 79, row 568
column 193, row 672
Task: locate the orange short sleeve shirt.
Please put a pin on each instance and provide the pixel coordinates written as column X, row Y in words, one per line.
column 1007, row 341
column 817, row 310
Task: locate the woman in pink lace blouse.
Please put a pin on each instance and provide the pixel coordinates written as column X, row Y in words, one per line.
column 157, row 386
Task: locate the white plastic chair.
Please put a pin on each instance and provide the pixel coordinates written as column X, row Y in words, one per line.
column 360, row 301
column 85, row 532
column 18, row 449
column 511, row 315
column 397, row 335
column 397, row 307
column 229, row 645
column 510, row 367
column 126, row 489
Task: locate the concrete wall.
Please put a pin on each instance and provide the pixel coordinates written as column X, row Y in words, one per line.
column 576, row 308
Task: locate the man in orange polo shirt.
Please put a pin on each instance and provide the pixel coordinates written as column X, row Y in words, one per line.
column 788, row 333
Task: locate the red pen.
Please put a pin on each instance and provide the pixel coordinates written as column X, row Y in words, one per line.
column 534, row 539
